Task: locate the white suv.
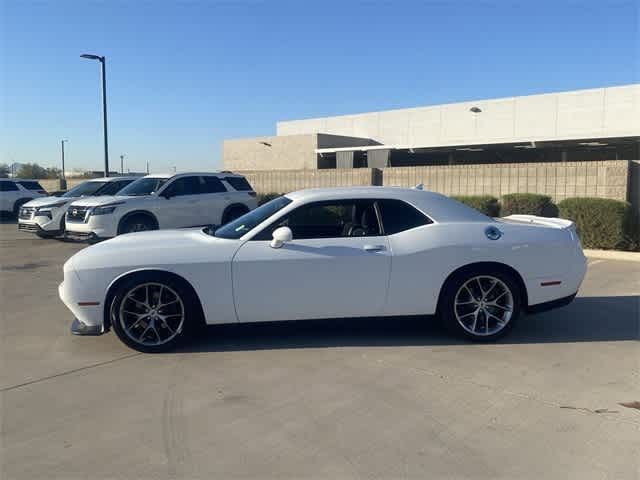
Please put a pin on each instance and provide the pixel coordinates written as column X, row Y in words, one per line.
column 162, row 201
column 45, row 216
column 15, row 192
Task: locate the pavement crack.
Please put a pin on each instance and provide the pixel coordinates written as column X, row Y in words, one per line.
column 68, row 372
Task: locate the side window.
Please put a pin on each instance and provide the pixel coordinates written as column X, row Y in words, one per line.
column 31, row 185
column 398, row 216
column 8, row 187
column 212, row 185
column 184, row 186
column 334, row 219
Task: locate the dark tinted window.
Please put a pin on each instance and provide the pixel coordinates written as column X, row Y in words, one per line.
column 85, row 188
column 332, row 219
column 398, row 216
column 212, row 185
column 111, row 188
column 143, row 186
column 184, row 186
column 31, row 185
column 239, row 183
column 7, row 187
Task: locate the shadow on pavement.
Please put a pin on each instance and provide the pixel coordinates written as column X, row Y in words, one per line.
column 587, row 319
column 6, row 218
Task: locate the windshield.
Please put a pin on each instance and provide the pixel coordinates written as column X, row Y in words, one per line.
column 86, row 188
column 143, row 186
column 248, row 221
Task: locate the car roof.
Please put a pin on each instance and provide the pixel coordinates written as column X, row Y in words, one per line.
column 21, row 179
column 114, row 179
column 435, row 205
column 189, row 174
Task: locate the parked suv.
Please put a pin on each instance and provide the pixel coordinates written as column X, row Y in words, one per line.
column 162, row 201
column 15, row 192
column 45, row 216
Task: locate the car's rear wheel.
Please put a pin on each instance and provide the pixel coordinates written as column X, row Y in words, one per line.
column 152, row 313
column 481, row 306
column 137, row 223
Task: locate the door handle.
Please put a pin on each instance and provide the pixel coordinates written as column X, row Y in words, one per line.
column 373, row 248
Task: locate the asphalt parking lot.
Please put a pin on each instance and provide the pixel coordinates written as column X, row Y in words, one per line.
column 333, row 399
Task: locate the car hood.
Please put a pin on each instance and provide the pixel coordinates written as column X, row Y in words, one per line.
column 104, row 200
column 156, row 249
column 41, row 201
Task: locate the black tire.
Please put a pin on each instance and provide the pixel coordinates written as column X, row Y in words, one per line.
column 232, row 213
column 137, row 223
column 124, row 323
column 455, row 314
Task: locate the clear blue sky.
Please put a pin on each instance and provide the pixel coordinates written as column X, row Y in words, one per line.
column 183, row 75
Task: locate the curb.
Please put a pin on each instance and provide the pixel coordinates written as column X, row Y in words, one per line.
column 613, row 255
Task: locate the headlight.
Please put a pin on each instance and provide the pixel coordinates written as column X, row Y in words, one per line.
column 105, row 209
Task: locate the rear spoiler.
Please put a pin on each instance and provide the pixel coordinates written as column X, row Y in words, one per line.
column 560, row 223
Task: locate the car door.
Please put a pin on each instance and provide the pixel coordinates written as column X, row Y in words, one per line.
column 180, row 206
column 337, row 265
column 214, row 200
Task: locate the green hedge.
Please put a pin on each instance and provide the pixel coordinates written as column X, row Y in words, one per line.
column 483, row 203
column 266, row 197
column 528, row 204
column 602, row 223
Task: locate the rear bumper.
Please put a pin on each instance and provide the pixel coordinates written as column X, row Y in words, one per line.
column 546, row 306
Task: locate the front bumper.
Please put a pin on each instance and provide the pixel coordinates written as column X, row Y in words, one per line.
column 33, row 227
column 89, row 319
column 79, row 328
column 97, row 228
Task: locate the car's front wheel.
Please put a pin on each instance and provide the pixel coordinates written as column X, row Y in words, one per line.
column 137, row 223
column 481, row 305
column 152, row 313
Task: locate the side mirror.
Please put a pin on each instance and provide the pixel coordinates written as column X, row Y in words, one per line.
column 281, row 236
column 166, row 195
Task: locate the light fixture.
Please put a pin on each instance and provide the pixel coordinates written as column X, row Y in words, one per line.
column 475, row 109
column 524, row 146
column 469, row 149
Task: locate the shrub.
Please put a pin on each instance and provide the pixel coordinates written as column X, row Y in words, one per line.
column 528, row 204
column 483, row 203
column 601, row 222
column 266, row 197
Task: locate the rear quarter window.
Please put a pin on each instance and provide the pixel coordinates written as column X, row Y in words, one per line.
column 398, row 216
column 239, row 183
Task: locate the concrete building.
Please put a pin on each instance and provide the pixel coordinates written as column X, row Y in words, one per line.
column 583, row 125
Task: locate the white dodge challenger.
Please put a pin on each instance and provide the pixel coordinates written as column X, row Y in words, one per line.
column 327, row 253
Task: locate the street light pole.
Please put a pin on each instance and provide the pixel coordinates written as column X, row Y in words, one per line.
column 122, row 164
column 102, row 61
column 63, row 179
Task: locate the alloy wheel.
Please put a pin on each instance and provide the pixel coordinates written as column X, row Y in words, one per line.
column 152, row 314
column 483, row 305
